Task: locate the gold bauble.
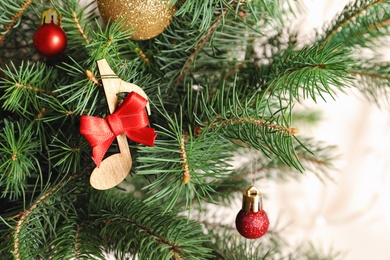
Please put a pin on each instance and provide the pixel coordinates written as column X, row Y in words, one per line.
column 145, row 18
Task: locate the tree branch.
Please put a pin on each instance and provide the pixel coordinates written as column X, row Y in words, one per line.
column 18, row 85
column 154, row 234
column 369, row 75
column 186, row 171
column 142, row 55
column 14, row 20
column 195, row 51
column 76, row 20
column 77, row 242
column 347, row 20
column 23, row 215
column 91, row 77
column 255, row 121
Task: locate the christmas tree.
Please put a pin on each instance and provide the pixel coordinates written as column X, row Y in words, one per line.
column 220, row 80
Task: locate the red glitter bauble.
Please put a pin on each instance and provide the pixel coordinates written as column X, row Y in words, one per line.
column 252, row 224
column 50, row 40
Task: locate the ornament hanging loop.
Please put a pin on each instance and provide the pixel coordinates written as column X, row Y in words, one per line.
column 51, row 16
column 252, row 200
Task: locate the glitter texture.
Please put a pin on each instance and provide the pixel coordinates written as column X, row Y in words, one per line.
column 252, row 224
column 145, row 18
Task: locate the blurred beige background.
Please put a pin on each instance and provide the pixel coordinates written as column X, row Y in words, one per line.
column 352, row 214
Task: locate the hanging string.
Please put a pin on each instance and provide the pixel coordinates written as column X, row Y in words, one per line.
column 252, row 170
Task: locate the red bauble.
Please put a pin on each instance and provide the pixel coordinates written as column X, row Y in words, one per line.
column 252, row 224
column 50, row 40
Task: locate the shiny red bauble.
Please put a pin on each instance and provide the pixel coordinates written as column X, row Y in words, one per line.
column 252, row 224
column 50, row 40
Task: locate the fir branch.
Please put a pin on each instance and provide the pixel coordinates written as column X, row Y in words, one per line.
column 107, row 43
column 234, row 69
column 82, row 93
column 24, row 85
column 259, row 122
column 373, row 81
column 40, row 113
column 77, row 238
column 209, row 47
column 77, row 242
column 316, row 157
column 91, row 77
column 18, row 152
column 23, row 216
column 309, row 72
column 201, row 12
column 376, row 26
column 68, row 153
column 372, row 75
column 147, row 225
column 228, row 244
column 349, row 14
column 198, row 47
column 186, row 171
column 79, row 21
column 36, row 89
column 269, row 142
column 80, row 29
column 206, row 158
column 142, row 55
column 14, row 20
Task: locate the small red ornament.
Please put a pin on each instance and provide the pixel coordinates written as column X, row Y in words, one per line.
column 252, row 221
column 50, row 39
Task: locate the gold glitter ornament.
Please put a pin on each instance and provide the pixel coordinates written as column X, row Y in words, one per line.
column 145, row 18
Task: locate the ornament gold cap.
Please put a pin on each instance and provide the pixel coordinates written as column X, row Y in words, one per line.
column 51, row 16
column 252, row 200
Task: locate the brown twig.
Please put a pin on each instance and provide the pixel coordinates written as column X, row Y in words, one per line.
column 77, row 241
column 40, row 114
column 69, row 112
column 370, row 28
column 378, row 25
column 172, row 247
column 142, row 55
column 23, row 215
column 255, row 121
column 313, row 160
column 369, row 75
column 18, row 85
column 234, row 69
column 196, row 49
column 14, row 20
column 76, row 20
column 186, row 170
column 92, row 78
column 110, row 40
column 350, row 18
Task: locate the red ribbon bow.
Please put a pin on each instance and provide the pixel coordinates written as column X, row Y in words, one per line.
column 130, row 118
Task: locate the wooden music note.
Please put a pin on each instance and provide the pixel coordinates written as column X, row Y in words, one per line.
column 116, row 167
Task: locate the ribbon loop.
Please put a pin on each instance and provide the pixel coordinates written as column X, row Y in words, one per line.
column 129, row 118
